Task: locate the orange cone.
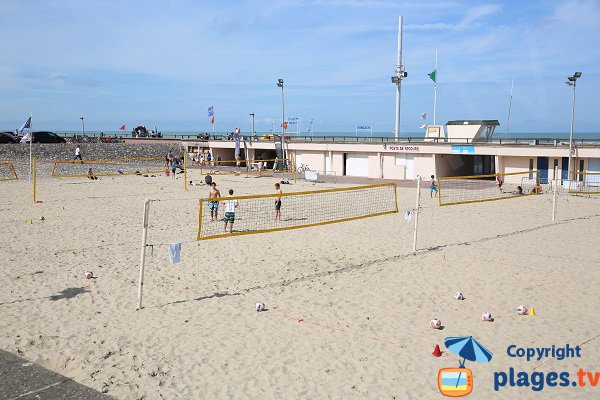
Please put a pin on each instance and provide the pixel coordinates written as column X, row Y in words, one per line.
column 437, row 352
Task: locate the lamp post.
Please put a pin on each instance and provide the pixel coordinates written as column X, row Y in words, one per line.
column 572, row 81
column 280, row 84
column 82, row 126
column 252, row 115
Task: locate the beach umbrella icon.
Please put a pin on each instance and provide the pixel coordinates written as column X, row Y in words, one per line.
column 468, row 348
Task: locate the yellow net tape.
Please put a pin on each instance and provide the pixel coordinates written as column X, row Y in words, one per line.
column 256, row 214
column 7, row 171
column 454, row 190
column 114, row 167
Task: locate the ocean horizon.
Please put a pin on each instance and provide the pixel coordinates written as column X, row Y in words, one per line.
column 497, row 135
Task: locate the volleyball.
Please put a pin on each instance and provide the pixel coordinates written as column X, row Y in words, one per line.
column 436, row 323
column 522, row 310
column 260, row 306
column 486, row 316
column 88, row 274
column 459, row 296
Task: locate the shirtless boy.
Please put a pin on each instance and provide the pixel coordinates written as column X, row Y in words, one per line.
column 213, row 205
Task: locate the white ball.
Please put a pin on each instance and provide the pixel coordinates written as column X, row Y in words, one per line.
column 486, row 316
column 88, row 274
column 260, row 306
column 436, row 323
column 459, row 296
column 522, row 310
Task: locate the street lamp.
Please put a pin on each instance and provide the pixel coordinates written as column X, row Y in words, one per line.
column 252, row 115
column 82, row 126
column 280, row 84
column 572, row 81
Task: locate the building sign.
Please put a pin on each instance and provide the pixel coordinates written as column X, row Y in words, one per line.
column 364, row 129
column 456, row 149
column 404, row 149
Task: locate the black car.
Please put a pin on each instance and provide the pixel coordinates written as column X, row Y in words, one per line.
column 47, row 137
column 8, row 137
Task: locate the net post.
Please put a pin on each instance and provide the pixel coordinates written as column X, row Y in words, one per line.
column 185, row 170
column 34, row 178
column 418, row 202
column 294, row 166
column 555, row 189
column 200, row 221
column 143, row 252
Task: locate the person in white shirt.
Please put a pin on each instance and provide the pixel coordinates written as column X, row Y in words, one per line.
column 78, row 154
column 230, row 206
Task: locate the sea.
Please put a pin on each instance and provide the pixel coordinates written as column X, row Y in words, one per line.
column 318, row 135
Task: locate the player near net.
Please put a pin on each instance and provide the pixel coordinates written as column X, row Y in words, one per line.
column 213, row 205
column 230, row 206
column 278, row 202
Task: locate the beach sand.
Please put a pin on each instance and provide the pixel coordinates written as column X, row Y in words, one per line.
column 349, row 304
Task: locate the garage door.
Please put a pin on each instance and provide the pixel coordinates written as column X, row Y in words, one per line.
column 357, row 165
column 594, row 165
column 408, row 162
column 298, row 158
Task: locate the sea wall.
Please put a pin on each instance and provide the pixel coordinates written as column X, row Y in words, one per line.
column 47, row 153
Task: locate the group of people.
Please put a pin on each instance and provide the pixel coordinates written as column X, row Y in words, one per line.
column 232, row 204
column 174, row 162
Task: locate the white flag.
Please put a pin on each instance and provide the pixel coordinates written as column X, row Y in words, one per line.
column 423, row 126
column 26, row 138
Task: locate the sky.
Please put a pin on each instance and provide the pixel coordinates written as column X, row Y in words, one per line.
column 165, row 62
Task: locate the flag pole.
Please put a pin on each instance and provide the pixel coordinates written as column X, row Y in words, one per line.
column 30, row 146
column 509, row 106
column 435, row 86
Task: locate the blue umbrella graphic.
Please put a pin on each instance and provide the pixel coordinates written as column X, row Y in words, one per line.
column 468, row 348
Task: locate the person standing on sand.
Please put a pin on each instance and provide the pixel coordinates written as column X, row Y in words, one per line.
column 433, row 187
column 230, row 206
column 78, row 154
column 278, row 202
column 213, row 205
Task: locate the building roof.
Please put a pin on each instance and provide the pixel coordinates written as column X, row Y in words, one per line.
column 474, row 122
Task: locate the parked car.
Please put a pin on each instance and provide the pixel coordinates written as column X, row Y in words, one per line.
column 8, row 137
column 47, row 137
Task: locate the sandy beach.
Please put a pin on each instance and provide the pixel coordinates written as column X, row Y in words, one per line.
column 349, row 304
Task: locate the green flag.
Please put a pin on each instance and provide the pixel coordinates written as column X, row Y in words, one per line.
column 432, row 75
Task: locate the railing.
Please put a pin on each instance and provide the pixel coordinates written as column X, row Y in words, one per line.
column 342, row 138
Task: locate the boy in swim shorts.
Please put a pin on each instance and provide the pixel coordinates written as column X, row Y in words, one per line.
column 433, row 187
column 230, row 206
column 213, row 205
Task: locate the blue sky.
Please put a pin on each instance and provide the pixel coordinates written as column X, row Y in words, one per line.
column 164, row 62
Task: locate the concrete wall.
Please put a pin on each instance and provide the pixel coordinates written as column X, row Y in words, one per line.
column 46, row 154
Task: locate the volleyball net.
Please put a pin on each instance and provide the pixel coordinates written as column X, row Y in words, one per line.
column 7, row 171
column 479, row 188
column 114, row 167
column 247, row 167
column 585, row 183
column 256, row 213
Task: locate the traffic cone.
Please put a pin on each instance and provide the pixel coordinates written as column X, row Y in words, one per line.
column 437, row 352
column 532, row 312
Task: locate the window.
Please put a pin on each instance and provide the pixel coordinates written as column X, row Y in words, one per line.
column 580, row 171
column 554, row 177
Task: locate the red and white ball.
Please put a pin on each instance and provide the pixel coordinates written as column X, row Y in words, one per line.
column 436, row 323
column 88, row 274
column 459, row 296
column 486, row 316
column 260, row 306
column 522, row 310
